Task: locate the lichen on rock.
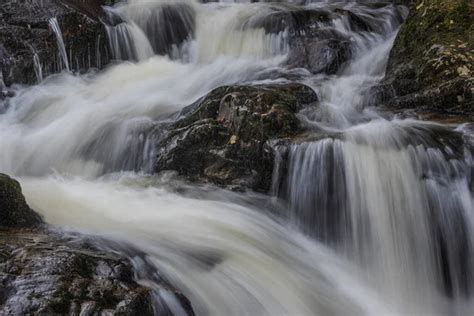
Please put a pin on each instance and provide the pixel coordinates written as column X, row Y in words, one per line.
column 431, row 66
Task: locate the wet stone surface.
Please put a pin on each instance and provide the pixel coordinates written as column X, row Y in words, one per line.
column 223, row 137
column 48, row 273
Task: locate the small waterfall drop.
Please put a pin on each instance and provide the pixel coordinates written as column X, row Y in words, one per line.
column 54, row 25
column 186, row 31
column 38, row 67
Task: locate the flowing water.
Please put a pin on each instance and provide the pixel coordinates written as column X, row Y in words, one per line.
column 54, row 25
column 379, row 212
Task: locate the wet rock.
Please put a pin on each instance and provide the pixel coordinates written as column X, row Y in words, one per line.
column 24, row 32
column 431, row 66
column 94, row 9
column 43, row 274
column 14, row 212
column 47, row 273
column 314, row 45
column 327, row 56
column 223, row 137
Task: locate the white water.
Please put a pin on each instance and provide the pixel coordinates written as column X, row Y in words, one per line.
column 262, row 267
column 368, row 196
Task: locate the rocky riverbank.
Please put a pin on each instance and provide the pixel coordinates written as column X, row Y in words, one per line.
column 44, row 272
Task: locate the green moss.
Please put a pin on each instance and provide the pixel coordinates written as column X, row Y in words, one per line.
column 437, row 40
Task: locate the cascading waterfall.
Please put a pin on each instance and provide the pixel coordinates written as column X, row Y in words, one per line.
column 379, row 211
column 388, row 191
column 393, row 196
column 186, row 31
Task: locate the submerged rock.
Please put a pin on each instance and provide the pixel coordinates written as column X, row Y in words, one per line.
column 431, row 66
column 46, row 273
column 223, row 137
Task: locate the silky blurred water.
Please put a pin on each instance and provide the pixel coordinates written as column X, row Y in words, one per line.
column 375, row 219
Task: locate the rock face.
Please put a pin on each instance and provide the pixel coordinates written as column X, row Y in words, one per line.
column 223, row 137
column 25, row 33
column 431, row 65
column 45, row 273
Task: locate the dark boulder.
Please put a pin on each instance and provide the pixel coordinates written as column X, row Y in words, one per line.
column 431, row 66
column 223, row 137
column 324, row 56
column 14, row 212
column 313, row 43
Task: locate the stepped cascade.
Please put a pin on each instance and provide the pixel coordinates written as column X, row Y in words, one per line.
column 366, row 212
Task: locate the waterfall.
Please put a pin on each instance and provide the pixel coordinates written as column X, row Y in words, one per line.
column 370, row 214
column 387, row 191
column 185, row 31
column 54, row 25
column 38, row 67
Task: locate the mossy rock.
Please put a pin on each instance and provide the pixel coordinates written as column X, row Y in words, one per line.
column 14, row 211
column 223, row 137
column 431, row 66
column 437, row 38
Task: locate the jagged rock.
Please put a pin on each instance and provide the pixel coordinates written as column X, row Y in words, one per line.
column 45, row 273
column 431, row 66
column 223, row 137
column 24, row 32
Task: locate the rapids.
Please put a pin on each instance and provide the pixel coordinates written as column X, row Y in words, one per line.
column 375, row 217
